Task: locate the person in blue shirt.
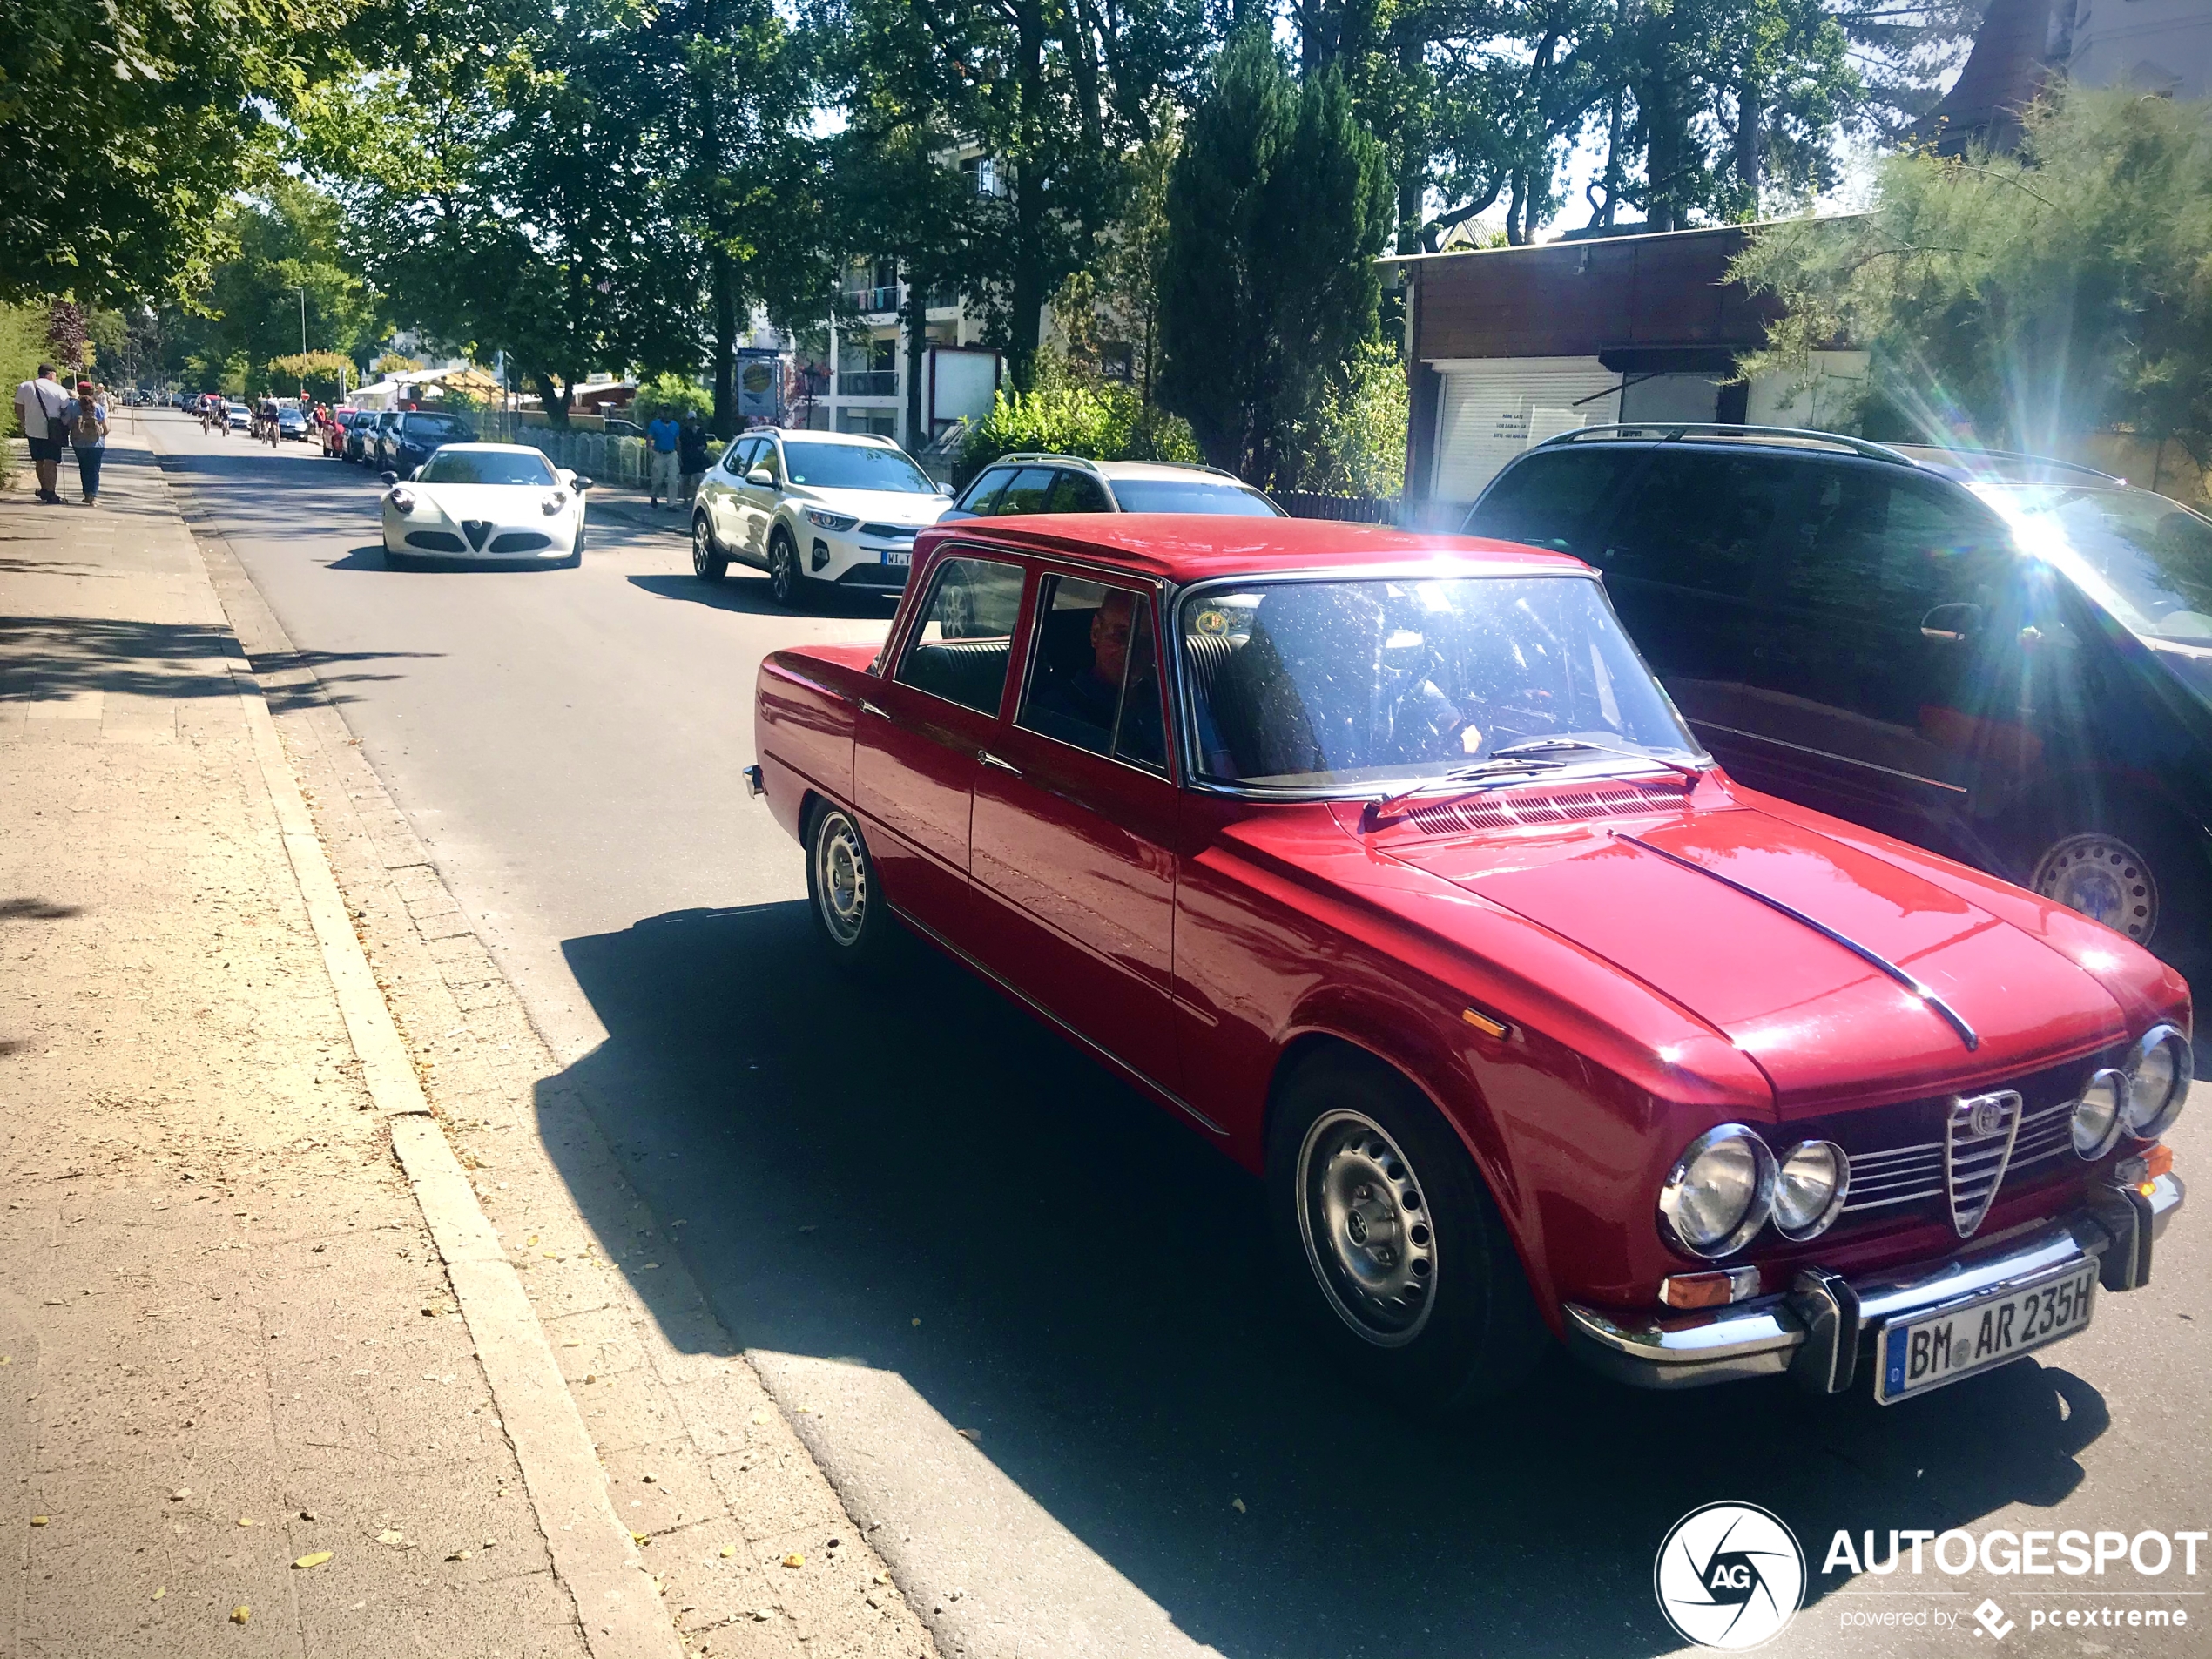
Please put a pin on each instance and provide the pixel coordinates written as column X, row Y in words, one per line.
column 662, row 435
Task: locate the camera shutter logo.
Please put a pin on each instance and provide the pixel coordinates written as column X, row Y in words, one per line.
column 1730, row 1576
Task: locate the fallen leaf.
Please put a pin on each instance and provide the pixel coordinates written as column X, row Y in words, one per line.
column 315, row 1560
column 163, row 1591
column 240, row 1614
column 1238, row 1504
column 460, row 1555
column 180, row 1494
column 794, row 1559
column 728, row 1550
column 39, row 1520
column 969, row 1433
column 641, row 1538
column 391, row 1535
column 652, row 1265
column 759, row 1417
column 652, row 1480
column 246, row 1521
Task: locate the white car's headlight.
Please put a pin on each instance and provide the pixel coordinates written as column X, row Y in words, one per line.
column 403, row 501
column 2159, row 1073
column 822, row 521
column 1809, row 1189
column 1719, row 1192
column 553, row 501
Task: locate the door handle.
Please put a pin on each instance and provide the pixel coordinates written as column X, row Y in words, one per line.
column 992, row 760
column 867, row 707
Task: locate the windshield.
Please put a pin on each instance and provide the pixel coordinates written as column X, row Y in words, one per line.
column 486, row 467
column 2144, row 559
column 439, row 426
column 1192, row 495
column 853, row 466
column 1338, row 685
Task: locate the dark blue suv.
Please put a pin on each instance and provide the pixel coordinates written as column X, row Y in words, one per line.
column 415, row 436
column 2004, row 658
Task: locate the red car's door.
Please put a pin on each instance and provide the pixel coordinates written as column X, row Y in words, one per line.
column 1073, row 827
column 918, row 733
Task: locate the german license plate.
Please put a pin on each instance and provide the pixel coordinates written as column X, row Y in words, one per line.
column 899, row 558
column 1937, row 1348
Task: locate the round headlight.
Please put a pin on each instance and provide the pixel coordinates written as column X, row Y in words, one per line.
column 403, row 501
column 1809, row 1189
column 1719, row 1192
column 2096, row 1114
column 2159, row 1073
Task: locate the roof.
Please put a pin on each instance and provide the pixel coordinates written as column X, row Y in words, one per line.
column 1194, row 546
column 807, row 434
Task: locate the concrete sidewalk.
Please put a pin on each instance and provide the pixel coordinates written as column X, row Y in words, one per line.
column 241, row 1408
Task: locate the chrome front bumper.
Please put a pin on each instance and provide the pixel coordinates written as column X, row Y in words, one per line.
column 1814, row 1331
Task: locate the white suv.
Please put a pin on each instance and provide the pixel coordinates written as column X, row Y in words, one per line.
column 815, row 510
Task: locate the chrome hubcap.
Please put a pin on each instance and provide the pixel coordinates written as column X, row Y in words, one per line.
column 842, row 879
column 1367, row 1228
column 2104, row 878
column 700, row 552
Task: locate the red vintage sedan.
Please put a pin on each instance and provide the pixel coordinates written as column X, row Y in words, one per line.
column 1382, row 859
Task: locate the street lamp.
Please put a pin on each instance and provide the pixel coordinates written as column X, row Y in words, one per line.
column 302, row 292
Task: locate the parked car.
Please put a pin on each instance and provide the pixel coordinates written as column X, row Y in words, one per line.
column 815, row 510
column 362, row 441
column 1382, row 861
column 2003, row 658
column 334, row 430
column 492, row 502
column 1050, row 483
column 290, row 423
column 238, row 416
column 615, row 427
column 413, row 435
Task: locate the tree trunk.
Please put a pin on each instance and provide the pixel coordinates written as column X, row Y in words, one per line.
column 916, row 323
column 1412, row 151
column 1751, row 138
column 726, row 419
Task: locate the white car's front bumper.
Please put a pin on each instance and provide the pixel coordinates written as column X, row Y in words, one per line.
column 869, row 558
column 535, row 540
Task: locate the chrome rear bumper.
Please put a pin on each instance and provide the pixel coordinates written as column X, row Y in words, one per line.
column 1814, row 1331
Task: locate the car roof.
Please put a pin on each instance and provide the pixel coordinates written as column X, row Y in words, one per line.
column 1960, row 465
column 857, row 440
column 1193, row 547
column 1179, row 471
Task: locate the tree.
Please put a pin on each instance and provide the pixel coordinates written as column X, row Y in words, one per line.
column 327, row 373
column 2013, row 298
column 1276, row 211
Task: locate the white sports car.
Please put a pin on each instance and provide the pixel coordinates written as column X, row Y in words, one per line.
column 499, row 503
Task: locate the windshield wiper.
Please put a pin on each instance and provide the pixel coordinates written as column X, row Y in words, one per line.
column 1495, row 770
column 1535, row 745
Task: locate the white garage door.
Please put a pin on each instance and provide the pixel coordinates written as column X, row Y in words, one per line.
column 1493, row 408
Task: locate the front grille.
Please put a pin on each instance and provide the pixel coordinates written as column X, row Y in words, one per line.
column 1525, row 807
column 892, row 532
column 520, row 542
column 478, row 529
column 434, row 541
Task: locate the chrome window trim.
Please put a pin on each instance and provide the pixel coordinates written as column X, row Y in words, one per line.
column 906, row 643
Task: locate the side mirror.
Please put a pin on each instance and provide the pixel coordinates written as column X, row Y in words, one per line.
column 388, row 476
column 761, row 477
column 944, row 490
column 1953, row 624
column 582, row 484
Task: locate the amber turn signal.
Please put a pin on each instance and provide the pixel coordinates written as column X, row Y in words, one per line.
column 1715, row 1290
column 1487, row 1024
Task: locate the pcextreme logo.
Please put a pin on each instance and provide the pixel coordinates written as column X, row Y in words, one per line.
column 1730, row 1576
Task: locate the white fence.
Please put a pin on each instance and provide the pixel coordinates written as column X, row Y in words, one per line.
column 596, row 456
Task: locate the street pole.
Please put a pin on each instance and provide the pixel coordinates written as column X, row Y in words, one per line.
column 302, row 292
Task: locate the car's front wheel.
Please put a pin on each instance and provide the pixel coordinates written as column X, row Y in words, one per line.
column 709, row 562
column 788, row 583
column 841, row 888
column 2132, row 871
column 1395, row 1252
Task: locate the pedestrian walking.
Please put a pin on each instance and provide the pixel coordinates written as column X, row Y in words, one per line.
column 692, row 451
column 42, row 410
column 87, row 422
column 661, row 435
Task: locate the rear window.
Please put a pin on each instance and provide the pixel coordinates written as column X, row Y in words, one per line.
column 1192, row 495
column 1555, row 501
column 1701, row 521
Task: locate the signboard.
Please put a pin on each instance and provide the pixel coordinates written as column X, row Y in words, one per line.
column 761, row 383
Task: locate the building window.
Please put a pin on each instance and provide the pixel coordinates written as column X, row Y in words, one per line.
column 1116, row 359
column 982, row 174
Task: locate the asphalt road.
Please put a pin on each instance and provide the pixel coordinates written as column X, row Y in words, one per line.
column 1092, row 1298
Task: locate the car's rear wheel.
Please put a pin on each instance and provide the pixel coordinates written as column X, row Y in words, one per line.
column 841, row 886
column 788, row 583
column 2130, row 871
column 709, row 562
column 1395, row 1252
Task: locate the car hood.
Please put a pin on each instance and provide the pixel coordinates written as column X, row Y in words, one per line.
column 876, row 506
column 1823, row 1024
column 501, row 503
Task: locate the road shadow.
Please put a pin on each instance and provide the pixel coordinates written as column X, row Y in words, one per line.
column 374, row 558
column 1094, row 1294
column 748, row 593
column 50, row 658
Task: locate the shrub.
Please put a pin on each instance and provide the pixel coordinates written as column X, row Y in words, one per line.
column 1104, row 422
column 674, row 395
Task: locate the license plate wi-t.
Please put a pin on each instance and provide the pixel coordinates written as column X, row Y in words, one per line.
column 1932, row 1349
column 898, row 558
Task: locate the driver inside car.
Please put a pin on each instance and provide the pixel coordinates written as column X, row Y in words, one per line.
column 1087, row 697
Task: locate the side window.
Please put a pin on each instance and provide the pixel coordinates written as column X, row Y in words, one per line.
column 984, row 491
column 1025, row 492
column 1556, row 500
column 1076, row 492
column 1706, row 522
column 733, row 457
column 1892, row 548
column 1094, row 672
column 769, row 456
column 961, row 648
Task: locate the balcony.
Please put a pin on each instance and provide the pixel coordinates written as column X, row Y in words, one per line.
column 867, row 382
column 873, row 301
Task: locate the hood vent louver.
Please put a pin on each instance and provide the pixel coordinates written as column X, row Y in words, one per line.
column 1534, row 808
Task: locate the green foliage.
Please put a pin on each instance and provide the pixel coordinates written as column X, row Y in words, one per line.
column 1108, row 422
column 1353, row 440
column 392, row 363
column 23, row 345
column 323, row 373
column 2016, row 300
column 129, row 125
column 674, row 395
column 1276, row 209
